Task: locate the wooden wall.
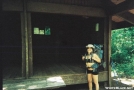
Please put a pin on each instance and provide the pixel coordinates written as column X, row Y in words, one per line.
column 11, row 39
column 69, row 36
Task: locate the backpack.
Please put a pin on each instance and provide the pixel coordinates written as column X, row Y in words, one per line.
column 98, row 50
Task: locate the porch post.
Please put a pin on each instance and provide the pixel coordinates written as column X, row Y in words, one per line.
column 30, row 51
column 23, row 46
column 27, row 57
column 26, row 36
column 107, row 48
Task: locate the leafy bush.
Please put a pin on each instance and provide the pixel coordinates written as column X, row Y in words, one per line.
column 122, row 50
column 125, row 69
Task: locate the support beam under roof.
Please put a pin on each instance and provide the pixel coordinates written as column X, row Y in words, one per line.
column 65, row 9
column 127, row 17
column 54, row 8
column 118, row 25
column 122, row 7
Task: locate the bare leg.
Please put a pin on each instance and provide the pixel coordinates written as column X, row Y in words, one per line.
column 95, row 78
column 90, row 81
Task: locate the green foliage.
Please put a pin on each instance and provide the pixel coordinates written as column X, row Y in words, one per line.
column 125, row 69
column 122, row 46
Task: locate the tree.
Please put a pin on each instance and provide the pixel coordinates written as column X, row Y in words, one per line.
column 122, row 45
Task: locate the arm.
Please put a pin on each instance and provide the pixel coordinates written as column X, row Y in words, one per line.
column 96, row 58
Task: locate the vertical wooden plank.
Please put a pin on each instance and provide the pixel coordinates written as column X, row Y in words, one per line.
column 105, row 43
column 27, row 57
column 107, row 48
column 23, row 45
column 26, row 36
column 30, row 53
column 26, row 33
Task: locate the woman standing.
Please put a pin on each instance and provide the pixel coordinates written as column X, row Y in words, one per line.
column 91, row 60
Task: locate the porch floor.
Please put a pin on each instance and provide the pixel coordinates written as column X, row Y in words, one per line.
column 44, row 70
column 44, row 76
column 56, row 69
column 69, row 74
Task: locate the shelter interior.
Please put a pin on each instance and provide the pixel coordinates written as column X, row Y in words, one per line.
column 64, row 28
column 65, row 44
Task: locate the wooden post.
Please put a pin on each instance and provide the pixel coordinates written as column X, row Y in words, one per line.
column 23, row 46
column 30, row 53
column 25, row 62
column 26, row 38
column 27, row 54
column 107, row 48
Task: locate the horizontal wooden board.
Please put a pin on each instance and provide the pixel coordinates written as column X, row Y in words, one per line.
column 54, row 8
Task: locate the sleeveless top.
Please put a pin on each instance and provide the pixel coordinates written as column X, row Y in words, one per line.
column 89, row 60
column 95, row 65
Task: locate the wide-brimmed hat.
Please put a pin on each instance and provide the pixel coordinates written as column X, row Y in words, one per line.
column 90, row 45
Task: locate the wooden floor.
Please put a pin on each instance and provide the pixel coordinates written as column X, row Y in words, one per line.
column 68, row 72
column 43, row 70
column 56, row 69
column 71, row 74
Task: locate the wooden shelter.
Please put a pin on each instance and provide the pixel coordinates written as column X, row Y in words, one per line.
column 46, row 38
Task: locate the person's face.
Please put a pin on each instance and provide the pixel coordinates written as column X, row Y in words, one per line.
column 89, row 50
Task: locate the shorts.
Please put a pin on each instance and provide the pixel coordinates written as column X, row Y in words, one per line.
column 91, row 72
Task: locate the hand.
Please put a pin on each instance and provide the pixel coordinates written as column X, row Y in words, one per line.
column 83, row 57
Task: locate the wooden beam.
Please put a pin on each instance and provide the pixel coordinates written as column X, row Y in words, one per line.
column 122, row 7
column 65, row 9
column 53, row 8
column 82, row 78
column 118, row 25
column 129, row 17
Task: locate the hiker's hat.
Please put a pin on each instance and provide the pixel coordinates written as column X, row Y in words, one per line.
column 90, row 45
